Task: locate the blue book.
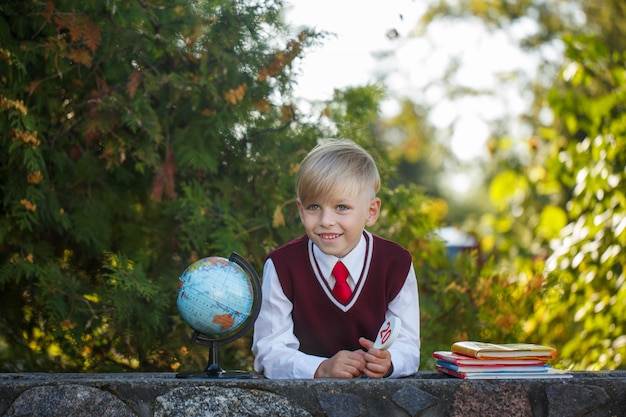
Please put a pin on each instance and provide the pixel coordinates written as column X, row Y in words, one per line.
column 548, row 373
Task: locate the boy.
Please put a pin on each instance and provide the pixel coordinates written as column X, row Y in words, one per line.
column 311, row 325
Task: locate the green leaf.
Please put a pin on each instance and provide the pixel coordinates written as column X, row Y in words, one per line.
column 506, row 187
column 551, row 221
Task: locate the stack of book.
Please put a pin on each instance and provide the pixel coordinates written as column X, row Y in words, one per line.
column 480, row 360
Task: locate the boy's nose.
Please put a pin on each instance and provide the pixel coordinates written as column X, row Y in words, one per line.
column 327, row 218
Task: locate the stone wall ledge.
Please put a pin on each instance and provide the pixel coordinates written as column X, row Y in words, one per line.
column 428, row 394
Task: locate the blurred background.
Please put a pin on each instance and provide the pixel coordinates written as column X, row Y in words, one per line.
column 139, row 137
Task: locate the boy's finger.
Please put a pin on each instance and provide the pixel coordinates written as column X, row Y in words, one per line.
column 366, row 343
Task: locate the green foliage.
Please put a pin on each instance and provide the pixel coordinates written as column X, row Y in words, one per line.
column 556, row 230
column 141, row 137
column 138, row 136
column 587, row 266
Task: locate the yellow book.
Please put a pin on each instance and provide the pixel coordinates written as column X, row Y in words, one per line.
column 484, row 350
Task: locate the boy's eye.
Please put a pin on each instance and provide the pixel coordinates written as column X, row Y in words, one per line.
column 341, row 207
column 313, row 207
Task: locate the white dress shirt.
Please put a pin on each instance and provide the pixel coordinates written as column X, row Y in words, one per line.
column 275, row 347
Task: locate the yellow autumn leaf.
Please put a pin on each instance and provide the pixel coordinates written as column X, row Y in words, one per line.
column 278, row 218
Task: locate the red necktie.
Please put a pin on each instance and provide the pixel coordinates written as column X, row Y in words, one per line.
column 341, row 290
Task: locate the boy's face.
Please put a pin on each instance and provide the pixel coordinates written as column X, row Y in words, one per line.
column 335, row 224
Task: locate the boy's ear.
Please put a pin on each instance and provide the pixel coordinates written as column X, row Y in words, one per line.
column 299, row 208
column 374, row 212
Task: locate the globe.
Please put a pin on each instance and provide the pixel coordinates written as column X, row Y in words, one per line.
column 214, row 296
column 219, row 299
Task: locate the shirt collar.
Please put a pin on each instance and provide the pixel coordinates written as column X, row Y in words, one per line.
column 353, row 260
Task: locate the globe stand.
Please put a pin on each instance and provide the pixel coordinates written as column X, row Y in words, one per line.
column 213, row 369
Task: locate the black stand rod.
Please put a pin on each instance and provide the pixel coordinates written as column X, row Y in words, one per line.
column 213, row 369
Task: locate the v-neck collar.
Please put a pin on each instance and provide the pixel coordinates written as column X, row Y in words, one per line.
column 357, row 262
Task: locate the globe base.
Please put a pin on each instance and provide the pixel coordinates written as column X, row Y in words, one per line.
column 213, row 369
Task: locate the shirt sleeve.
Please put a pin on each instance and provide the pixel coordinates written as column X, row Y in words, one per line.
column 405, row 352
column 274, row 345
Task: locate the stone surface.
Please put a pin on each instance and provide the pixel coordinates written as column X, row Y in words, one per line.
column 224, row 402
column 491, row 400
column 68, row 400
column 413, row 400
column 575, row 401
column 340, row 405
column 428, row 394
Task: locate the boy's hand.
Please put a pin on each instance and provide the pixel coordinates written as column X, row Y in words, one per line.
column 343, row 364
column 378, row 362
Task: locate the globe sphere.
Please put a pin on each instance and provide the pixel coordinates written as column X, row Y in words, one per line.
column 215, row 297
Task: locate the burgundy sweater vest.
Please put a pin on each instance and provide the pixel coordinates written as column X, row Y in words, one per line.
column 321, row 326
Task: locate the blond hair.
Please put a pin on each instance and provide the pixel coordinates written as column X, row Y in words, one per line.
column 337, row 167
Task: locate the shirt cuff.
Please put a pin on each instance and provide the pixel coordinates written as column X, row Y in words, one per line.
column 306, row 367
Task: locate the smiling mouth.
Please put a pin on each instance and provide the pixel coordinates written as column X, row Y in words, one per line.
column 329, row 236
